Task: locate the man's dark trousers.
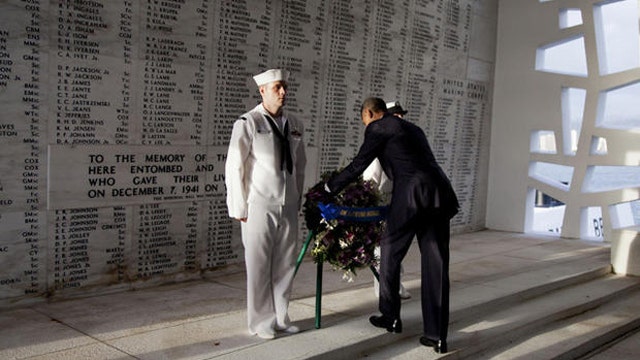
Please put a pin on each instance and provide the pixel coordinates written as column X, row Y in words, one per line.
column 432, row 231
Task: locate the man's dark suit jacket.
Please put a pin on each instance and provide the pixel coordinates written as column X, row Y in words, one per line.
column 419, row 184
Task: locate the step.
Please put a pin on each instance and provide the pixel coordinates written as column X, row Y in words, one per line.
column 532, row 282
column 346, row 332
column 579, row 335
column 506, row 328
column 624, row 347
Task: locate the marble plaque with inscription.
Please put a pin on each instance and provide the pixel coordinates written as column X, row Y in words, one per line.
column 105, row 175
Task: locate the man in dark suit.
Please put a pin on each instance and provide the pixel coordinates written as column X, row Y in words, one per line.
column 422, row 203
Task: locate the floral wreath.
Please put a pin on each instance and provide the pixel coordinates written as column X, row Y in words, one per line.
column 346, row 245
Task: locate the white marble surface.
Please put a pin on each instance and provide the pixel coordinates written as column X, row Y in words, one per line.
column 89, row 90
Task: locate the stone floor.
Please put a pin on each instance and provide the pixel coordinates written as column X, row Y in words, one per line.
column 206, row 319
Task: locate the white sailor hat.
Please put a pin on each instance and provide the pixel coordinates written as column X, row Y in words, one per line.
column 395, row 108
column 270, row 76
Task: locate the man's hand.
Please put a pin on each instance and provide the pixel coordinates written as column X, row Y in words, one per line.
column 242, row 219
column 325, row 195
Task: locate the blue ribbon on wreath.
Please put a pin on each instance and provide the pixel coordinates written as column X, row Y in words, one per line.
column 368, row 214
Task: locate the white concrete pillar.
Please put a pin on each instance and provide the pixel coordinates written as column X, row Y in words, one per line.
column 625, row 252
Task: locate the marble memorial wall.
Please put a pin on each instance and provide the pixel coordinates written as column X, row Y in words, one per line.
column 116, row 116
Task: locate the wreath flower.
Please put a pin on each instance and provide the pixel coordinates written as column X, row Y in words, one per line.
column 346, row 245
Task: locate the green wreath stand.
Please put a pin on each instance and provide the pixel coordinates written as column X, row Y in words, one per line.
column 319, row 265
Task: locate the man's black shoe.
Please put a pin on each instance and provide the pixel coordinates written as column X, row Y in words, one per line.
column 392, row 325
column 438, row 346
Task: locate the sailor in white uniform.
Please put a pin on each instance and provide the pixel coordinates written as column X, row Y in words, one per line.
column 264, row 175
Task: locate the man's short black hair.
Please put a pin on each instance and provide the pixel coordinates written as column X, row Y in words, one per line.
column 374, row 104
